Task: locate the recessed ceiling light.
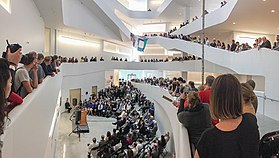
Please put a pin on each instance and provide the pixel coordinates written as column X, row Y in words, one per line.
column 264, row 0
column 272, row 11
column 234, row 23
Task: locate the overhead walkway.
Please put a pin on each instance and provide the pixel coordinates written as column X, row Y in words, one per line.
column 116, row 5
column 215, row 17
column 261, row 62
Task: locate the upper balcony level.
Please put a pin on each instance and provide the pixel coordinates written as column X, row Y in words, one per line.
column 215, row 17
column 116, row 5
column 252, row 62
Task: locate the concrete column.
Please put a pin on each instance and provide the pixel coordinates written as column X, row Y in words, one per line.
column 116, row 77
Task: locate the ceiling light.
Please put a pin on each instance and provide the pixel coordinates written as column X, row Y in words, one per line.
column 234, row 23
column 264, row 0
column 272, row 11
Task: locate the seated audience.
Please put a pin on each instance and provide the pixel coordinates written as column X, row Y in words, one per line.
column 237, row 134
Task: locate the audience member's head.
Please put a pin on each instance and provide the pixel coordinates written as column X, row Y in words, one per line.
column 247, row 93
column 252, row 83
column 47, row 60
column 226, row 98
column 191, row 84
column 209, row 80
column 193, row 99
column 29, row 59
column 14, row 57
column 201, row 88
column 40, row 58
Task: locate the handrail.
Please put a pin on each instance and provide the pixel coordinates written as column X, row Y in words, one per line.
column 267, row 98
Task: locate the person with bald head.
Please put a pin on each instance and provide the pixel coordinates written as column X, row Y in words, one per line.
column 266, row 43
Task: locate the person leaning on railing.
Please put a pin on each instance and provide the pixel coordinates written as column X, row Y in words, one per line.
column 195, row 117
column 5, row 90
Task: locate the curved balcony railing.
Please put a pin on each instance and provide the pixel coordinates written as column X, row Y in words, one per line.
column 215, row 17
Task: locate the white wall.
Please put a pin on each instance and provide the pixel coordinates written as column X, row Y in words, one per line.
column 23, row 25
column 77, row 50
column 73, row 11
column 84, row 81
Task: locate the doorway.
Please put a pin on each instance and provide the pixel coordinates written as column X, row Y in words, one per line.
column 75, row 96
column 94, row 91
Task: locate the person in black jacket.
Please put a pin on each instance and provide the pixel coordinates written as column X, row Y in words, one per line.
column 46, row 66
column 195, row 117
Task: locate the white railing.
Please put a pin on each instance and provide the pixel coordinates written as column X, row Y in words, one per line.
column 166, row 114
column 27, row 132
column 215, row 17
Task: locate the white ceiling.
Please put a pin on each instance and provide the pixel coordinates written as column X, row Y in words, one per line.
column 252, row 16
column 249, row 15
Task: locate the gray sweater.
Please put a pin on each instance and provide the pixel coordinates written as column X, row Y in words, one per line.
column 196, row 120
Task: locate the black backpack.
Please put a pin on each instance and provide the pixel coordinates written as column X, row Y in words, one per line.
column 269, row 145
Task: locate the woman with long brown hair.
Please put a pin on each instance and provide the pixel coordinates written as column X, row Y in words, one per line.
column 5, row 90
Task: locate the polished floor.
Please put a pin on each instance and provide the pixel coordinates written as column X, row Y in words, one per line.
column 71, row 147
column 266, row 124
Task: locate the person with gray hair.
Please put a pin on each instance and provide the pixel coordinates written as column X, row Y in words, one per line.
column 255, row 101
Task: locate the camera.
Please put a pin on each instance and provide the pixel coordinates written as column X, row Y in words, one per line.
column 13, row 48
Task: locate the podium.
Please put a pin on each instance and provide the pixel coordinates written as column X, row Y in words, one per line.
column 83, row 118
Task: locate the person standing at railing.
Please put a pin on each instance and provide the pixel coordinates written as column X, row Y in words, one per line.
column 195, row 117
column 248, row 97
column 237, row 134
column 205, row 94
column 13, row 59
column 5, row 90
column 255, row 101
column 23, row 84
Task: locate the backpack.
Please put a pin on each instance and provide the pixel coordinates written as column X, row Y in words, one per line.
column 269, row 145
column 21, row 85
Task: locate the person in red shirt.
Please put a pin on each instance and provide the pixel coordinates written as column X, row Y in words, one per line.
column 205, row 95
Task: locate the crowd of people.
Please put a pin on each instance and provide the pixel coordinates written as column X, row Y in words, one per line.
column 184, row 58
column 82, row 59
column 214, row 119
column 235, row 46
column 135, row 127
column 116, row 59
column 223, row 3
